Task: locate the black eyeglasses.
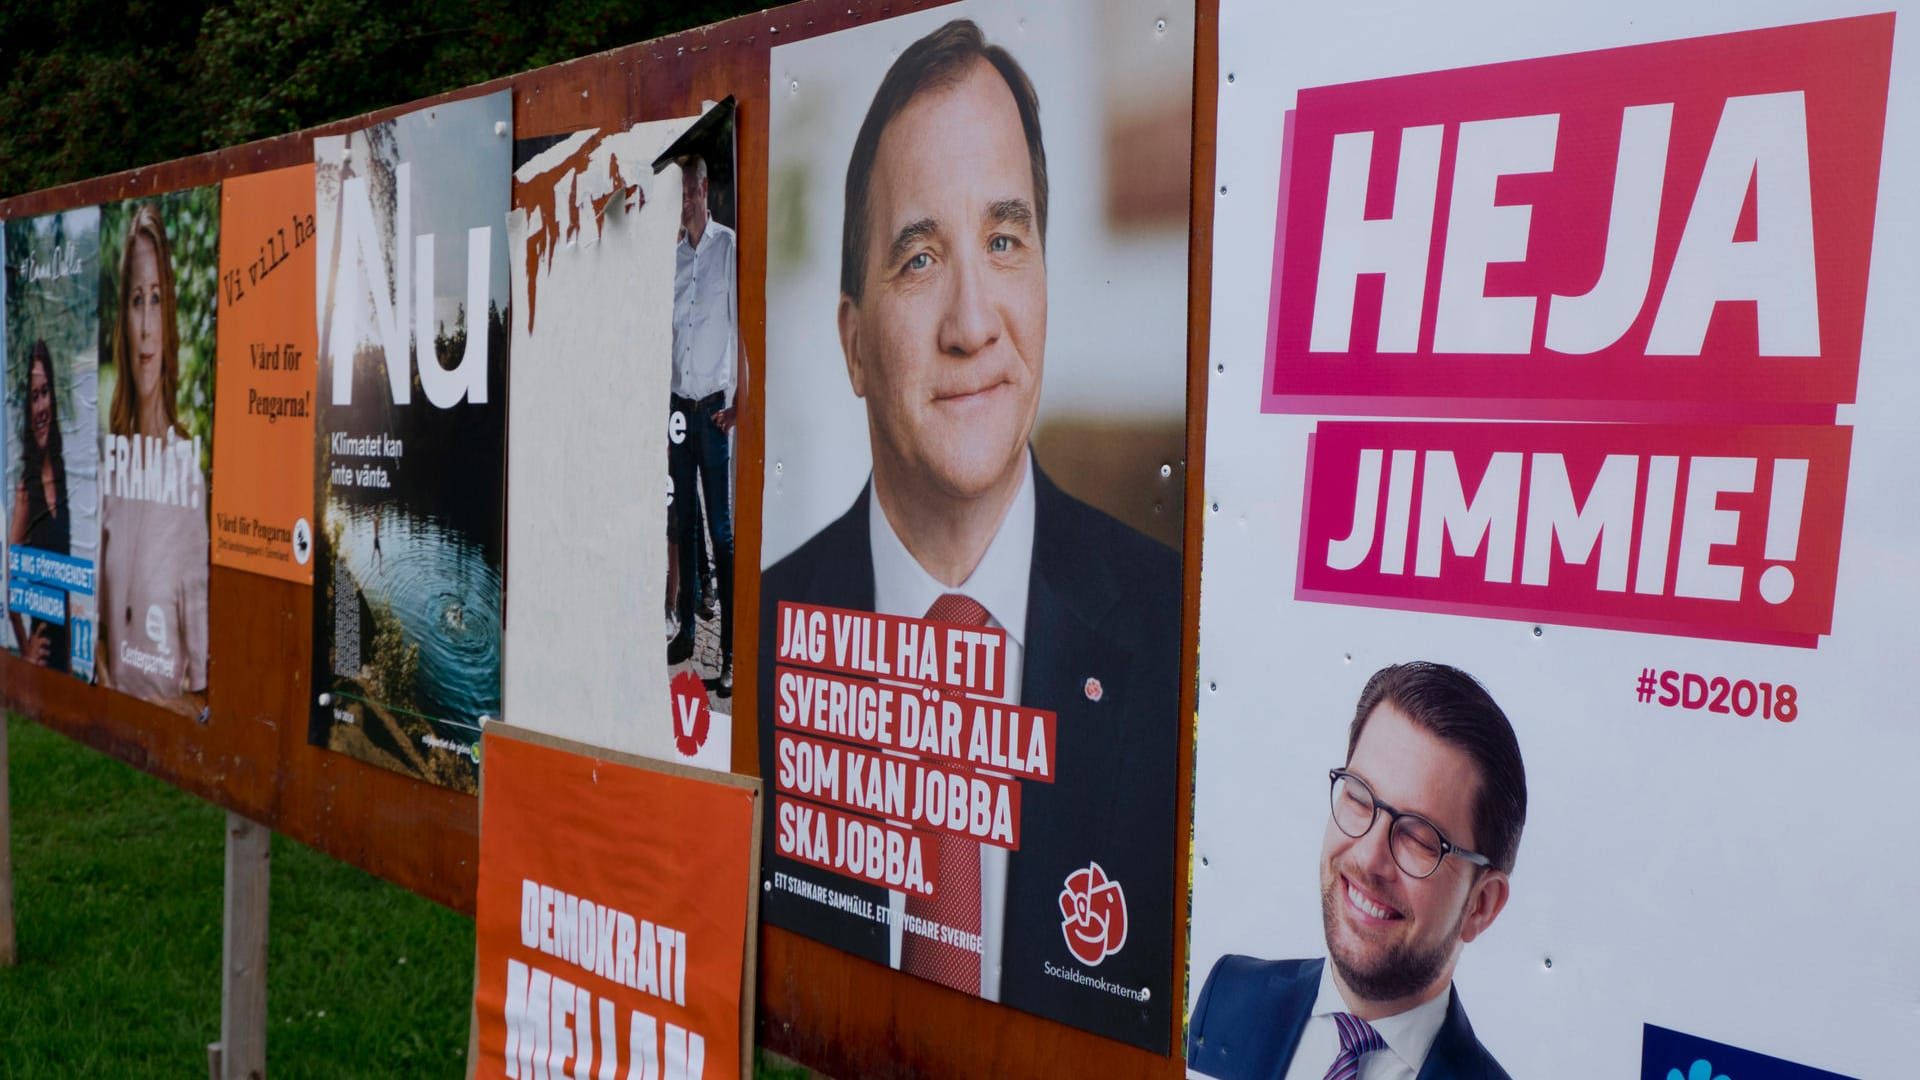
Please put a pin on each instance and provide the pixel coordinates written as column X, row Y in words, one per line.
column 1417, row 844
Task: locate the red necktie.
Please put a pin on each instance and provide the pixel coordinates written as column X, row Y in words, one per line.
column 956, row 899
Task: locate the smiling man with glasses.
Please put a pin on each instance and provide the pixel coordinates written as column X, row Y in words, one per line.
column 1424, row 827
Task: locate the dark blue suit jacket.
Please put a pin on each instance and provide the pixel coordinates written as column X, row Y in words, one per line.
column 1103, row 602
column 1251, row 1012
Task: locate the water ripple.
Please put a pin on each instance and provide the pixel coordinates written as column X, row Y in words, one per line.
column 448, row 600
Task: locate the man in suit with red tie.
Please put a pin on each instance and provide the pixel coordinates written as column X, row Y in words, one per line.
column 942, row 321
column 1420, row 845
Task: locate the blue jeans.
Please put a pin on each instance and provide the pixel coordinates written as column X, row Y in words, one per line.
column 703, row 481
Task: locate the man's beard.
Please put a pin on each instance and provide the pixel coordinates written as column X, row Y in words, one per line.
column 1404, row 970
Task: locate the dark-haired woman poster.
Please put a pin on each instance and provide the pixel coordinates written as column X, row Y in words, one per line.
column 42, row 518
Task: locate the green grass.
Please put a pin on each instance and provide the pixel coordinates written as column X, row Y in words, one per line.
column 767, row 1066
column 117, row 902
column 117, row 899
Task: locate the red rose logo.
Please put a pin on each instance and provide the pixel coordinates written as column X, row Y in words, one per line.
column 691, row 716
column 1093, row 914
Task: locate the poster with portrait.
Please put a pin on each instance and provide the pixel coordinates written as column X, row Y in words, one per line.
column 1558, row 557
column 52, row 490
column 263, row 400
column 707, row 371
column 970, row 597
column 6, row 627
column 411, row 297
column 159, row 279
column 591, row 242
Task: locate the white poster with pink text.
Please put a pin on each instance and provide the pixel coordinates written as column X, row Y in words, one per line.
column 1561, row 371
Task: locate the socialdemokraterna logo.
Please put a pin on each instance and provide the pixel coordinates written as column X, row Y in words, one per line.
column 1093, row 914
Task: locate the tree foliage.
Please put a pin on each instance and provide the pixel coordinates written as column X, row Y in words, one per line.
column 90, row 87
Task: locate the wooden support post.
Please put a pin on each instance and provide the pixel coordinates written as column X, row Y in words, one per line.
column 9, row 953
column 241, row 1053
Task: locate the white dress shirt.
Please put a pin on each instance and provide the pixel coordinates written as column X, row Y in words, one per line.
column 1409, row 1036
column 901, row 586
column 705, row 313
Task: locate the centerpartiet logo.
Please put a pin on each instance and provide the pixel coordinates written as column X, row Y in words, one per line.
column 157, row 629
column 1093, row 914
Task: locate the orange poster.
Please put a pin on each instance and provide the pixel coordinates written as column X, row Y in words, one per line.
column 263, row 397
column 612, row 921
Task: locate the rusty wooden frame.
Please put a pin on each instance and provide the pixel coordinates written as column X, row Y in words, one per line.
column 841, row 1015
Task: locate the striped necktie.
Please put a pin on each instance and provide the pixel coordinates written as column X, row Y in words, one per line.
column 1357, row 1038
column 957, row 874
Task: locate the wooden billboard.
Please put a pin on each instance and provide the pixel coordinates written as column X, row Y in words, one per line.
column 251, row 755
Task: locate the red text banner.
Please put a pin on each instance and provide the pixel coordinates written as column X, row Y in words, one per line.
column 1652, row 232
column 922, row 720
column 886, row 734
column 862, row 848
column 921, row 793
column 971, row 659
column 1730, row 533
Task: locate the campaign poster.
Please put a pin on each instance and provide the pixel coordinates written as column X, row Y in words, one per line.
column 159, row 281
column 708, row 368
column 411, row 291
column 609, row 942
column 1558, row 564
column 263, row 506
column 591, row 242
column 6, row 628
column 52, row 491
column 969, row 647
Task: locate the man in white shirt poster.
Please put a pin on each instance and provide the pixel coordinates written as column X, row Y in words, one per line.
column 705, row 344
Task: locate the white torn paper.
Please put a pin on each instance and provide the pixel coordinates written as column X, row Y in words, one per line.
column 591, row 242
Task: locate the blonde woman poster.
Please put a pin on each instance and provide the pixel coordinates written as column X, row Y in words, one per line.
column 157, row 302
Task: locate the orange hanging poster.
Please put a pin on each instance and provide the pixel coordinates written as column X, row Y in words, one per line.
column 612, row 920
column 263, row 397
